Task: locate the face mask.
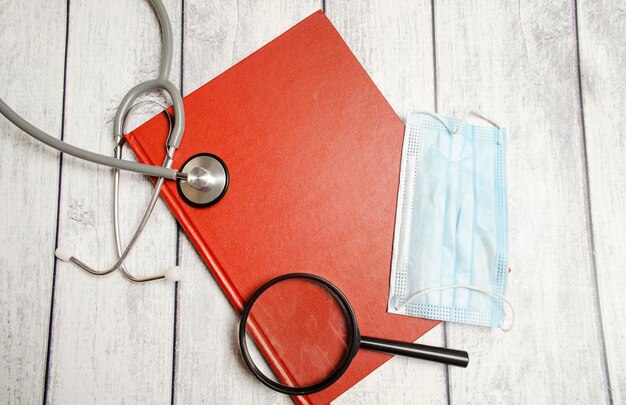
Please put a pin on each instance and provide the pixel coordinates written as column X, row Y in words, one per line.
column 451, row 253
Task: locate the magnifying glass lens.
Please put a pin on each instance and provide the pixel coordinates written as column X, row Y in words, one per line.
column 301, row 325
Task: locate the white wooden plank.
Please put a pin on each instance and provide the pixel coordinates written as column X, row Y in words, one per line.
column 209, row 367
column 112, row 341
column 32, row 45
column 602, row 45
column 516, row 62
column 393, row 41
column 511, row 51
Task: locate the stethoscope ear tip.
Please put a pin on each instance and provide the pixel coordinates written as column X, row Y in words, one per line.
column 173, row 274
column 63, row 253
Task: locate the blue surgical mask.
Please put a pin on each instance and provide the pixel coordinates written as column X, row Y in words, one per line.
column 451, row 252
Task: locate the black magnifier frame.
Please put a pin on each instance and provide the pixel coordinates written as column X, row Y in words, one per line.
column 352, row 333
column 355, row 341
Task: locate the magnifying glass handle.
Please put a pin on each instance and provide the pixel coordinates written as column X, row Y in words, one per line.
column 452, row 357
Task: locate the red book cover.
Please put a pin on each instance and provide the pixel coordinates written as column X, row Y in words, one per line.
column 313, row 150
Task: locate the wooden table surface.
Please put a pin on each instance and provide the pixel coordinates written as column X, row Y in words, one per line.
column 552, row 71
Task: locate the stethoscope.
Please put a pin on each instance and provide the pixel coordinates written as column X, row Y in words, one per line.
column 201, row 181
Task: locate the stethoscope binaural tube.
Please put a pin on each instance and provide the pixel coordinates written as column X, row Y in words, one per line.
column 171, row 274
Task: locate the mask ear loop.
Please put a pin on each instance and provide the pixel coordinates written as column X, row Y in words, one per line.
column 469, row 287
column 481, row 116
column 463, row 121
column 440, row 119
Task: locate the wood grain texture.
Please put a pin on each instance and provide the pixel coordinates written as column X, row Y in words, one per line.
column 209, row 368
column 31, row 82
column 112, row 341
column 393, row 42
column 516, row 62
column 602, row 42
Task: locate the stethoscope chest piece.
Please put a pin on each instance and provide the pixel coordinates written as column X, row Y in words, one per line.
column 207, row 180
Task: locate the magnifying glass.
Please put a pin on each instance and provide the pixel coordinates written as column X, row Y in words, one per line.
column 307, row 329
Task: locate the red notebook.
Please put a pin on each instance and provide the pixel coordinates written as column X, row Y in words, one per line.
column 313, row 151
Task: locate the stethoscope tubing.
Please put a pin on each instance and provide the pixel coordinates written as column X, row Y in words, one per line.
column 149, row 170
column 116, row 162
column 173, row 141
column 161, row 83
